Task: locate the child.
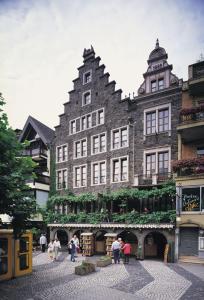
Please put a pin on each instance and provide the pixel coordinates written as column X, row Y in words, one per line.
column 50, row 249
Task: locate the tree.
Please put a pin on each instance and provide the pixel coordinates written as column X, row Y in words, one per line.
column 15, row 195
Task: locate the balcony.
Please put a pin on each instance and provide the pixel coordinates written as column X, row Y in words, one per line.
column 39, row 179
column 189, row 167
column 37, row 154
column 196, row 79
column 191, row 123
column 151, row 179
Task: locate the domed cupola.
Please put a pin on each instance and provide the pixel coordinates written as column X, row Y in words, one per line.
column 158, row 75
column 158, row 53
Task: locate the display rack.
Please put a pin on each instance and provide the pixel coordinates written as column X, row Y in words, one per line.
column 87, row 243
column 110, row 238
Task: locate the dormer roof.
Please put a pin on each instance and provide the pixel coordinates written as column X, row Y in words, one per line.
column 158, row 53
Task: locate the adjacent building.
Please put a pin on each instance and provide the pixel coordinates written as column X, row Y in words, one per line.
column 189, row 168
column 39, row 137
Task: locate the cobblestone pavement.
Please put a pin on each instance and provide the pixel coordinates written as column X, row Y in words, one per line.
column 139, row 280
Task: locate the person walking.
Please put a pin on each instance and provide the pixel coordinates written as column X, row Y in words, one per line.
column 43, row 242
column 116, row 251
column 72, row 250
column 50, row 250
column 57, row 246
column 76, row 243
column 121, row 246
column 126, row 250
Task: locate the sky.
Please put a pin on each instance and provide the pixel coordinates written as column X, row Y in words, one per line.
column 42, row 42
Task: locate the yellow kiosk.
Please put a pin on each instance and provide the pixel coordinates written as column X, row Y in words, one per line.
column 15, row 255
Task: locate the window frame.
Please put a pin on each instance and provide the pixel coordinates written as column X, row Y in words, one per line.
column 156, row 109
column 84, row 76
column 155, row 151
column 57, row 182
column 119, row 129
column 74, row 150
column 80, row 174
column 61, row 147
column 83, row 97
column 120, row 174
column 99, row 142
column 201, row 209
column 98, row 163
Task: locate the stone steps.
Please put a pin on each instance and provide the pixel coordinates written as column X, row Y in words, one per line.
column 191, row 259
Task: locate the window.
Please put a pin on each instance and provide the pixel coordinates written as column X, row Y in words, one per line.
column 157, row 162
column 100, row 117
column 86, row 98
column 61, row 179
column 163, row 120
column 150, row 164
column 200, row 151
column 120, row 169
column 99, row 173
column 153, row 86
column 87, row 77
column 98, row 143
column 157, row 120
column 160, row 84
column 119, row 138
column 80, row 175
column 201, row 243
column 80, row 148
column 61, row 153
column 157, row 85
column 95, row 118
column 73, row 127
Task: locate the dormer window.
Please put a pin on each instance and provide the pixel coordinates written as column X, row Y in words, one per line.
column 153, row 86
column 160, row 84
column 86, row 98
column 87, row 77
column 157, row 85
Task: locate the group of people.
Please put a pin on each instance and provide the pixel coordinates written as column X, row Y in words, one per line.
column 53, row 247
column 121, row 250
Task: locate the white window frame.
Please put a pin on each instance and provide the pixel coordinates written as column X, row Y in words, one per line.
column 80, row 121
column 120, row 129
column 92, row 144
column 79, row 141
column 66, row 182
column 75, row 167
column 83, row 95
column 201, row 238
column 61, row 146
column 97, row 117
column 156, row 151
column 84, row 76
column 92, row 173
column 119, row 158
column 157, row 109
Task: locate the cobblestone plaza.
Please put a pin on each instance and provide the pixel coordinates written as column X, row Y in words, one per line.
column 148, row 279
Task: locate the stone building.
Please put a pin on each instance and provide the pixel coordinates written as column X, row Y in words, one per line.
column 104, row 143
column 189, row 168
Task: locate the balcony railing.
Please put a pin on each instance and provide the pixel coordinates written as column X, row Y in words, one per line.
column 35, row 152
column 151, row 179
column 188, row 167
column 39, row 179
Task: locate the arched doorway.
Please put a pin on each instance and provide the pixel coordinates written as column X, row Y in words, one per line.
column 130, row 237
column 62, row 237
column 100, row 242
column 154, row 245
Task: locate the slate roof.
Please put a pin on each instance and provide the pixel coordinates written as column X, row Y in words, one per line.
column 44, row 132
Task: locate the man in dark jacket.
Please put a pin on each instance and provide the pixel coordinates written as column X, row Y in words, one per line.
column 72, row 250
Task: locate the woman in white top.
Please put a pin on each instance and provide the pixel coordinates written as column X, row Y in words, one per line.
column 57, row 246
column 50, row 249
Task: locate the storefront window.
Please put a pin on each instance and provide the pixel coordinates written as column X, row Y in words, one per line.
column 24, row 255
column 3, row 256
column 191, row 199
